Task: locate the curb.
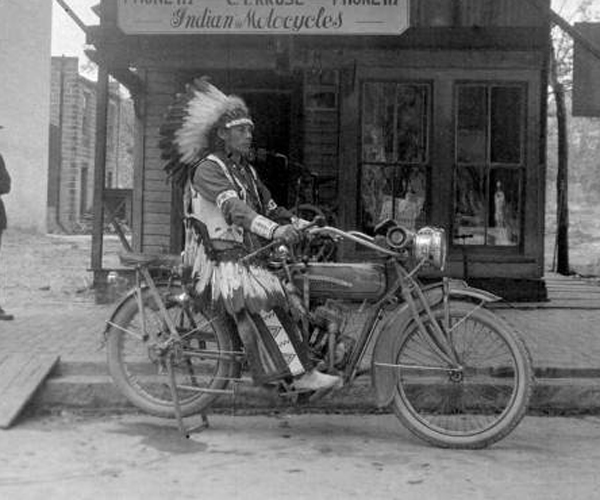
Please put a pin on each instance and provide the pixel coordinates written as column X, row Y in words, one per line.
column 566, row 395
column 86, row 385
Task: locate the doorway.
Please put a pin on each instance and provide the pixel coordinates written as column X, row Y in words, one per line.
column 271, row 113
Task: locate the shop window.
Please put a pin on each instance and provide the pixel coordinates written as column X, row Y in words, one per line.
column 395, row 153
column 490, row 123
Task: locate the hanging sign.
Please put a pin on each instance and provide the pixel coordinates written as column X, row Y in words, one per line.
column 586, row 72
column 292, row 17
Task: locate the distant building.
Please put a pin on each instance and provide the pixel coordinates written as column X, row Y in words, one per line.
column 25, row 29
column 72, row 147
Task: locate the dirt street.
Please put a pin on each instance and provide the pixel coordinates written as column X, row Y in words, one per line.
column 290, row 457
column 41, row 269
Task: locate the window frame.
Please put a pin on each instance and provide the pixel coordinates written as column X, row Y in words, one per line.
column 426, row 164
column 487, row 167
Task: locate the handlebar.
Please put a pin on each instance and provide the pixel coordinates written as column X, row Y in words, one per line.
column 317, row 227
column 317, row 221
column 357, row 237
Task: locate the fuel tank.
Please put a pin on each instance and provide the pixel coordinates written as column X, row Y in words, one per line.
column 344, row 281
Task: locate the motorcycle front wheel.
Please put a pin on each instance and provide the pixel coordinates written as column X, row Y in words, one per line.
column 473, row 402
column 203, row 363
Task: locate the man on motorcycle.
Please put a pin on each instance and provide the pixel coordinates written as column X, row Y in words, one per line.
column 229, row 214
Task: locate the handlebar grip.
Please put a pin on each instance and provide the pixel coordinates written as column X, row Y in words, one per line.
column 318, row 221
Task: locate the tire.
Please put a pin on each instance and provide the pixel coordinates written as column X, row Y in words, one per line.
column 469, row 408
column 141, row 374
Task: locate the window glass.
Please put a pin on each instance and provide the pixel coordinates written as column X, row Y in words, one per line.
column 488, row 180
column 393, row 193
column 506, row 121
column 378, row 117
column 471, row 131
column 411, row 125
column 470, row 206
column 395, row 128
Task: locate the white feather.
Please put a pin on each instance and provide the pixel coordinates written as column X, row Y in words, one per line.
column 203, row 110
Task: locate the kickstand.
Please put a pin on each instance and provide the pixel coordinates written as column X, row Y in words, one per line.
column 200, row 427
column 177, row 407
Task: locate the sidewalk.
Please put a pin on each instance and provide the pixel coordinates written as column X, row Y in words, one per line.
column 563, row 336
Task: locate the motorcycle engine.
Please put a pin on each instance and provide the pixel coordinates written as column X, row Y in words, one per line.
column 328, row 317
column 326, row 340
column 279, row 256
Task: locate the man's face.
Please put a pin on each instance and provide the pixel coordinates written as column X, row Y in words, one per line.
column 238, row 139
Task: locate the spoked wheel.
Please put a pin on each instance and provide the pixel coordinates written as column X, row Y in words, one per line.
column 203, row 363
column 475, row 402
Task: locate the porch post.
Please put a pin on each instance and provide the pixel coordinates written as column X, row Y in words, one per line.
column 99, row 169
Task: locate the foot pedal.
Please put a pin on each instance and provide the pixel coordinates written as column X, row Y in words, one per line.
column 320, row 394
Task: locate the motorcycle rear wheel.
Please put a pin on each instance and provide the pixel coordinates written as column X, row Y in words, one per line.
column 203, row 361
column 474, row 405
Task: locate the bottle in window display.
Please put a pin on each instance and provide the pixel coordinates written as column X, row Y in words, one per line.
column 502, row 236
column 499, row 204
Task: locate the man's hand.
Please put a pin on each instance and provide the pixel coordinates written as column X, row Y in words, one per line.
column 288, row 233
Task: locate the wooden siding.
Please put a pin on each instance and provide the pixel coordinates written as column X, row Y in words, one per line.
column 157, row 196
column 488, row 13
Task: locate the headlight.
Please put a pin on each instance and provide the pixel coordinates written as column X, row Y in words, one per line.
column 430, row 244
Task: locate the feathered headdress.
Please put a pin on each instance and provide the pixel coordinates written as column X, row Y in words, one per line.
column 186, row 130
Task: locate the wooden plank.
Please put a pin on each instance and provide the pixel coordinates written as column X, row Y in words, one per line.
column 571, row 292
column 579, row 284
column 570, row 284
column 160, row 196
column 158, row 218
column 161, row 207
column 475, row 13
column 573, row 296
column 158, row 230
column 587, row 292
column 8, row 369
column 156, row 245
column 158, row 187
column 21, row 376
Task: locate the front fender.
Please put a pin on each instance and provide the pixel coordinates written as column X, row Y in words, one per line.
column 384, row 352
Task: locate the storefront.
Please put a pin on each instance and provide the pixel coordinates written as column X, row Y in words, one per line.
column 427, row 111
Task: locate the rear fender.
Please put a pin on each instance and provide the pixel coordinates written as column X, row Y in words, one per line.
column 384, row 352
column 129, row 295
column 117, row 309
column 227, row 321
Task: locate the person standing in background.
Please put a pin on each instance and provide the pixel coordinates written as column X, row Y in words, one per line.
column 4, row 189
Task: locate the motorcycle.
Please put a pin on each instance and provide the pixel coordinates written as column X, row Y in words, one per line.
column 453, row 372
